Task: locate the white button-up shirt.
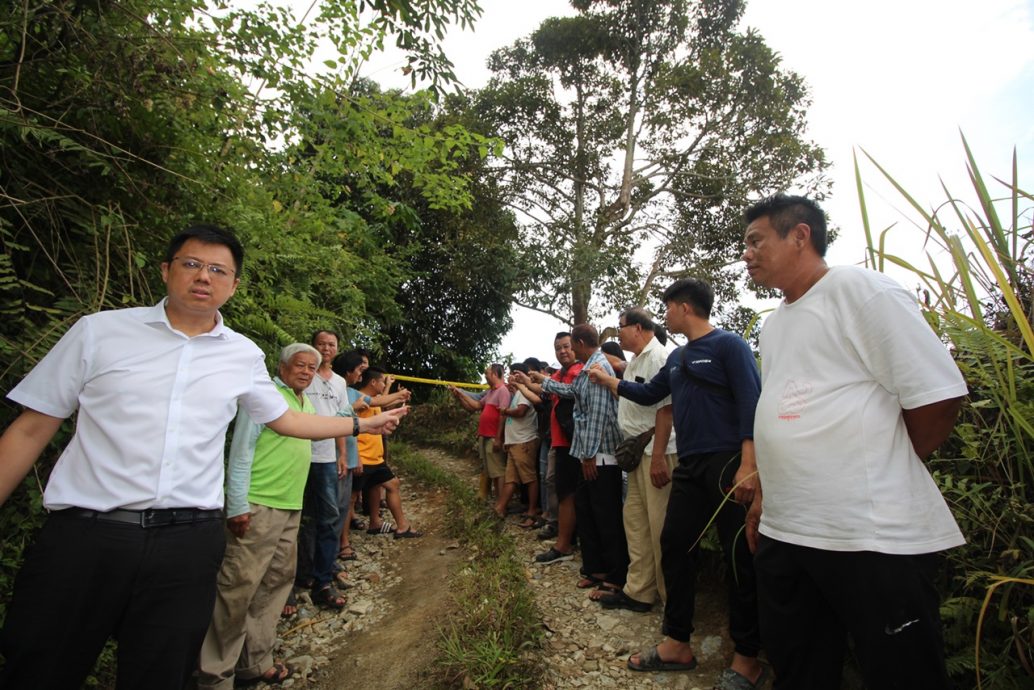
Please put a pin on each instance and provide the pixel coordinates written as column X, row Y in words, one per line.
column 153, row 404
column 634, row 419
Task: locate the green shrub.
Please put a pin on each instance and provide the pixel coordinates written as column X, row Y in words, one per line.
column 493, row 637
column 442, row 423
column 980, row 300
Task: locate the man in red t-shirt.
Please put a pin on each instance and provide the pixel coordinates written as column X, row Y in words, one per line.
column 490, row 449
column 566, row 469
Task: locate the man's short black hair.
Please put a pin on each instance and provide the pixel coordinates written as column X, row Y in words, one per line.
column 612, row 348
column 694, row 292
column 320, row 332
column 346, row 363
column 586, row 334
column 209, row 234
column 561, row 334
column 785, row 212
column 372, row 373
column 497, row 369
column 637, row 316
column 534, row 364
column 519, row 366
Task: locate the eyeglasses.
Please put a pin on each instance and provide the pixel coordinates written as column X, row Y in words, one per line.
column 215, row 271
column 624, row 325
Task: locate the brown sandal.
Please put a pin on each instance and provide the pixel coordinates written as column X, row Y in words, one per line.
column 328, row 597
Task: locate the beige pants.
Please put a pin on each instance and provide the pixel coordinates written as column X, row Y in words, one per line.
column 643, row 514
column 252, row 587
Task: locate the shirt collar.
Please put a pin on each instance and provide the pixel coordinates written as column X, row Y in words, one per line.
column 284, row 387
column 653, row 344
column 156, row 314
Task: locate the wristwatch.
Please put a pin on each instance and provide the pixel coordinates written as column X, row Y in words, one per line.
column 355, row 429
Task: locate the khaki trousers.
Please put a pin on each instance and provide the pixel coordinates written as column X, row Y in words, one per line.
column 252, row 587
column 645, row 506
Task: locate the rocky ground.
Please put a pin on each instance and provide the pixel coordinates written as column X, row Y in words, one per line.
column 385, row 636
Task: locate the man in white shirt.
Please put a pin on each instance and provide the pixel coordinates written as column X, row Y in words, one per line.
column 649, row 484
column 856, row 390
column 519, row 431
column 318, row 538
column 137, row 495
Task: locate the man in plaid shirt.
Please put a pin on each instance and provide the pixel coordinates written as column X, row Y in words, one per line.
column 598, row 495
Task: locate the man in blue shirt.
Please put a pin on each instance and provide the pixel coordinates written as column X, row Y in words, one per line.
column 598, row 493
column 714, row 385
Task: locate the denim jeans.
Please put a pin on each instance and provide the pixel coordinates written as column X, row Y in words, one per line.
column 318, row 538
column 344, row 500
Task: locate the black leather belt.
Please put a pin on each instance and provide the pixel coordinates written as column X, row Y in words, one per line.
column 152, row 517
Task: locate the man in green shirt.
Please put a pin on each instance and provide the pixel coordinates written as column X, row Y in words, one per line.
column 265, row 484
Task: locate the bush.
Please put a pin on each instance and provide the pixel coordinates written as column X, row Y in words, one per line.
column 981, row 301
column 493, row 638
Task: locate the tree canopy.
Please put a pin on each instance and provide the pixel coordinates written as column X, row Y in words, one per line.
column 636, row 132
column 123, row 122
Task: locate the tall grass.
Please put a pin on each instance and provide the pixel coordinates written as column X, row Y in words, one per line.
column 976, row 281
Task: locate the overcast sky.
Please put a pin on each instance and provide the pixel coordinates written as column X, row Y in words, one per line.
column 899, row 78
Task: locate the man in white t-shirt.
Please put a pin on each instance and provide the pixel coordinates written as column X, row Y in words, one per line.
column 519, row 431
column 318, row 537
column 136, row 497
column 856, row 391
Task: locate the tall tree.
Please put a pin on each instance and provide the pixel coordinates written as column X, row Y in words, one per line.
column 636, row 132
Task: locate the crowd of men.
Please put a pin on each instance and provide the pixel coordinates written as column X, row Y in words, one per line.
column 189, row 584
column 855, row 390
column 811, row 471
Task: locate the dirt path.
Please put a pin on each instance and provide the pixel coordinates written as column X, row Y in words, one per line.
column 588, row 646
column 386, row 636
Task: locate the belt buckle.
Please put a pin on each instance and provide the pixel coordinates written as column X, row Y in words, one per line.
column 150, row 518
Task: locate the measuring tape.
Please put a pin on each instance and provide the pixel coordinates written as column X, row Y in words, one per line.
column 436, row 382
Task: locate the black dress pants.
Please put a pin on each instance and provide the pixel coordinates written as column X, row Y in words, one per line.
column 811, row 599
column 83, row 581
column 699, row 485
column 600, row 525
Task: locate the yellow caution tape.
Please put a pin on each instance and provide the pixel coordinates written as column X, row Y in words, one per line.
column 435, row 382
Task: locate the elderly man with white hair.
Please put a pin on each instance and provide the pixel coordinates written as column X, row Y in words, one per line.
column 265, row 485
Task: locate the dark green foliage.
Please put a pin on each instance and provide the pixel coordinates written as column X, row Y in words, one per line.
column 442, row 423
column 123, row 122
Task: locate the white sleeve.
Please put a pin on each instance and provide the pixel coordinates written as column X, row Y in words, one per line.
column 263, row 402
column 55, row 383
column 902, row 352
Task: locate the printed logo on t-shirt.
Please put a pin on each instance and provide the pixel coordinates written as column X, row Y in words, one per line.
column 794, row 400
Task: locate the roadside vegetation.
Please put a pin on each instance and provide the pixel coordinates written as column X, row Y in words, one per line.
column 977, row 285
column 493, row 636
